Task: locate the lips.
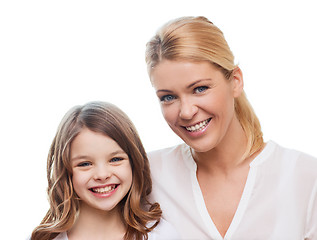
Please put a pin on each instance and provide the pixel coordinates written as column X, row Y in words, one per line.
column 198, row 126
column 104, row 189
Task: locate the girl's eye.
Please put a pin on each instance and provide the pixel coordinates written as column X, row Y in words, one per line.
column 200, row 89
column 84, row 164
column 167, row 98
column 116, row 159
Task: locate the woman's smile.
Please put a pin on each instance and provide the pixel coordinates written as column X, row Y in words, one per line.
column 198, row 127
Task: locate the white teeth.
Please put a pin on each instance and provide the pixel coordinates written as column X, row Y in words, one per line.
column 198, row 126
column 104, row 189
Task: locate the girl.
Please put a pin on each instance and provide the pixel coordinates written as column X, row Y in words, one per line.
column 230, row 184
column 99, row 180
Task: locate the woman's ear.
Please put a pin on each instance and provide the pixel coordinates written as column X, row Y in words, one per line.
column 238, row 84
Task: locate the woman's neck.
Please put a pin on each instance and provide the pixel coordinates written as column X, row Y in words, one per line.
column 96, row 224
column 227, row 155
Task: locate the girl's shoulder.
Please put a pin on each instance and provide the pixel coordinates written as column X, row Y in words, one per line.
column 164, row 231
column 61, row 236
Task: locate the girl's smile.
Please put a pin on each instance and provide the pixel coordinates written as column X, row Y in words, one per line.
column 105, row 191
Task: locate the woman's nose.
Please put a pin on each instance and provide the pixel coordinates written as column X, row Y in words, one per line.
column 187, row 109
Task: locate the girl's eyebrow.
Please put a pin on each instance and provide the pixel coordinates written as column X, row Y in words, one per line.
column 189, row 86
column 118, row 152
column 80, row 157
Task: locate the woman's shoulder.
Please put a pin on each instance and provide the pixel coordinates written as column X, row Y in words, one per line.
column 164, row 231
column 290, row 160
column 171, row 154
column 273, row 150
column 167, row 151
column 167, row 160
column 293, row 154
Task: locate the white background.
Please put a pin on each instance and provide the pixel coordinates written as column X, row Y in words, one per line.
column 57, row 54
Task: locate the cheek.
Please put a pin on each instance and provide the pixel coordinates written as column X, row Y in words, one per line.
column 124, row 173
column 223, row 102
column 128, row 178
column 169, row 114
column 78, row 182
column 228, row 110
column 229, row 103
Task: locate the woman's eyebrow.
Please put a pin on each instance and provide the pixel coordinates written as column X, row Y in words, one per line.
column 189, row 86
column 198, row 81
column 164, row 90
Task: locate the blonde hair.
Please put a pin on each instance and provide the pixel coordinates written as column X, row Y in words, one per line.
column 197, row 39
column 107, row 119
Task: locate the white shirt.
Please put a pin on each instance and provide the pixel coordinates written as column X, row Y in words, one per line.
column 279, row 201
column 163, row 231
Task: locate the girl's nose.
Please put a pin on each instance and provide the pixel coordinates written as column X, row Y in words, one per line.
column 102, row 173
column 187, row 109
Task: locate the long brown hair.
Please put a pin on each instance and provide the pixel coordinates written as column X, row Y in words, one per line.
column 108, row 119
column 197, row 39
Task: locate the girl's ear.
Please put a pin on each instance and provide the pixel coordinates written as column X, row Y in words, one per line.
column 237, row 79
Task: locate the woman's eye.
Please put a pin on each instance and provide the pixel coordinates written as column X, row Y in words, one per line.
column 116, row 159
column 200, row 89
column 167, row 98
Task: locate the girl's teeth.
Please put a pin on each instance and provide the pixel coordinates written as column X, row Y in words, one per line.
column 198, row 126
column 104, row 189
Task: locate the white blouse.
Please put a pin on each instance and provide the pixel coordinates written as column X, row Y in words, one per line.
column 163, row 231
column 279, row 201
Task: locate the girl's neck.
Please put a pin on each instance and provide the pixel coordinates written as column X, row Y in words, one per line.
column 96, row 224
column 227, row 155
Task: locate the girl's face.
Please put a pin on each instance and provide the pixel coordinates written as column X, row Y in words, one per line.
column 102, row 173
column 197, row 101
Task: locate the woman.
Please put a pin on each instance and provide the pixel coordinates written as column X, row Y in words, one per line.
column 224, row 182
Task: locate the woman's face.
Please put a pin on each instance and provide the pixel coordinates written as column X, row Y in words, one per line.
column 197, row 101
